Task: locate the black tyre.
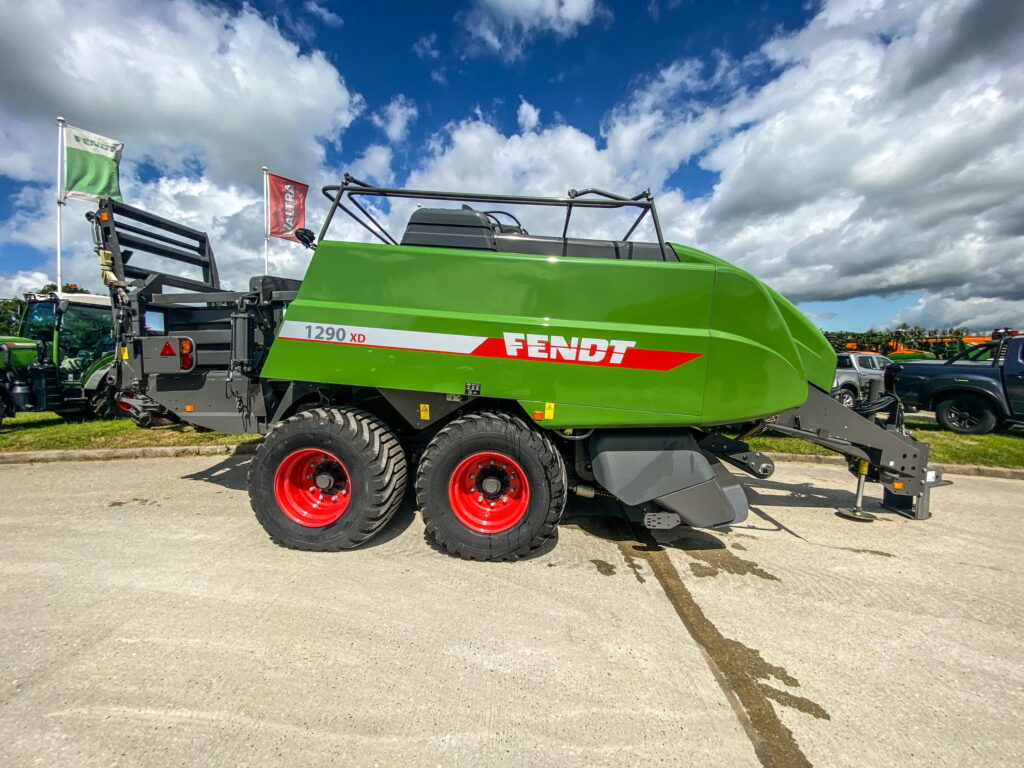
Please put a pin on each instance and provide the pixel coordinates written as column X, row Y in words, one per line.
column 103, row 403
column 490, row 487
column 845, row 397
column 966, row 414
column 327, row 479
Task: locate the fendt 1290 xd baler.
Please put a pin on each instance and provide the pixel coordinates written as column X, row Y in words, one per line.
column 501, row 369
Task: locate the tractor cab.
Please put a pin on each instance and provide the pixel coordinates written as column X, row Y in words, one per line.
column 60, row 357
column 72, row 331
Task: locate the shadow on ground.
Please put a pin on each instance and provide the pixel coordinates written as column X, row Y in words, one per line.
column 233, row 471
column 606, row 518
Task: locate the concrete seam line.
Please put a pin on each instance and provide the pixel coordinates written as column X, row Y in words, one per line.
column 247, row 449
column 111, row 454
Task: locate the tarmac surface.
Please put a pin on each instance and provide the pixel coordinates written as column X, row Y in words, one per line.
column 148, row 621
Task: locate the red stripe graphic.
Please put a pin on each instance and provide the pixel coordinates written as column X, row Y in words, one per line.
column 642, row 359
column 577, row 350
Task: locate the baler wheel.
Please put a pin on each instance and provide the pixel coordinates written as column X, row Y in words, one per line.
column 327, row 479
column 490, row 487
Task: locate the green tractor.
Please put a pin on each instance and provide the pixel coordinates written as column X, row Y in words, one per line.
column 60, row 358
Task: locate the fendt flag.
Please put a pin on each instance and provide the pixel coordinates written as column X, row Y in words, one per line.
column 287, row 206
column 90, row 165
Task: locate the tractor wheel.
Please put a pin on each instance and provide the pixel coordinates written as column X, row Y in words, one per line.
column 104, row 405
column 846, row 398
column 327, row 479
column 966, row 414
column 490, row 488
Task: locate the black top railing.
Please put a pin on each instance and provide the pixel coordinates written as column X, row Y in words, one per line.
column 353, row 188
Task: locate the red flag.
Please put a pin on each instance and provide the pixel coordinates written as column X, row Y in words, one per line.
column 287, row 206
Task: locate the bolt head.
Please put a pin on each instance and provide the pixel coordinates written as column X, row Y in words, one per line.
column 479, row 498
column 334, row 497
column 492, row 503
column 504, row 499
column 312, row 488
column 344, row 492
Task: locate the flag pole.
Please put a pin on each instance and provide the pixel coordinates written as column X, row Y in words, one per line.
column 60, row 203
column 266, row 222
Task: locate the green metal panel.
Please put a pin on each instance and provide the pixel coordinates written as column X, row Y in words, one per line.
column 746, row 353
column 23, row 351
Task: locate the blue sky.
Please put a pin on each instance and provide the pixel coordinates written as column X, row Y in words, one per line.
column 864, row 157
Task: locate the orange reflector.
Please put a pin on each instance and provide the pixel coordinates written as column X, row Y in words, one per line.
column 104, row 216
column 185, row 346
column 168, row 350
column 538, row 415
column 897, row 486
column 190, row 409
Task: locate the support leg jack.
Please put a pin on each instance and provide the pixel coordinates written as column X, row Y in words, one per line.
column 857, row 512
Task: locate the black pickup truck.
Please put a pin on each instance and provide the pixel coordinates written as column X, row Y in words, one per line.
column 972, row 393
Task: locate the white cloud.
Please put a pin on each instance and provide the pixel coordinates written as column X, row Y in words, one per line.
column 192, row 83
column 880, row 155
column 374, row 165
column 13, row 286
column 528, row 115
column 505, row 27
column 323, row 14
column 396, row 117
column 426, row 47
column 871, row 163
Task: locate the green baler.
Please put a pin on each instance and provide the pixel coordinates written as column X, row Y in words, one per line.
column 506, row 369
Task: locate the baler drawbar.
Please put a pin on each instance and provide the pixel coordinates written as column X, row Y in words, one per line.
column 500, row 369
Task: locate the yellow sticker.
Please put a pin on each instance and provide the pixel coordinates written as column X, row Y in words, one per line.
column 124, row 353
column 425, row 411
column 549, row 410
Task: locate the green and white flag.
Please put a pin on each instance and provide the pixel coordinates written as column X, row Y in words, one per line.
column 90, row 165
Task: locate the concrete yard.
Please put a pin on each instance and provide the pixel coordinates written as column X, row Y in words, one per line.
column 148, row 621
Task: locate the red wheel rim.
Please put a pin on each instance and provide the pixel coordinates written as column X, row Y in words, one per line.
column 312, row 487
column 120, row 403
column 489, row 492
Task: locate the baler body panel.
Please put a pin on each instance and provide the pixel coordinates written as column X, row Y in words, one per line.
column 698, row 341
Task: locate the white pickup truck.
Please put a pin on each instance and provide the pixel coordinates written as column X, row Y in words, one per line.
column 855, row 372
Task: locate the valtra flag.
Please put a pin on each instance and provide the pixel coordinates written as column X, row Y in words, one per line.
column 287, row 206
column 90, row 165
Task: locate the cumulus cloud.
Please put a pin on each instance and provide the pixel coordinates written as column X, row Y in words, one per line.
column 426, row 47
column 505, row 27
column 396, row 117
column 528, row 115
column 195, row 84
column 196, row 96
column 881, row 156
column 323, row 14
column 879, row 152
column 25, row 281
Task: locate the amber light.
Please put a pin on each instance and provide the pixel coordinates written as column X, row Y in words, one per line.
column 190, row 409
column 104, row 216
column 185, row 346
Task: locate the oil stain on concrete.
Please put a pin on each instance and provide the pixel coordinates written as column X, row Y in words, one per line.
column 749, row 682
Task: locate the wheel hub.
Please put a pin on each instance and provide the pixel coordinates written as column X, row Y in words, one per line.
column 311, row 487
column 489, row 492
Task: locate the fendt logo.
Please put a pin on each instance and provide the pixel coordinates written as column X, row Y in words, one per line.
column 97, row 144
column 575, row 349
